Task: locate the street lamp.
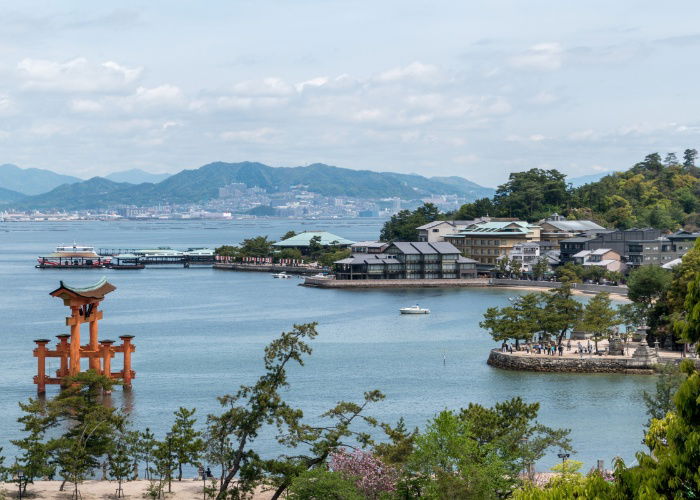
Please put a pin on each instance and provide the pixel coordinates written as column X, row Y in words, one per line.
column 563, row 456
column 20, row 477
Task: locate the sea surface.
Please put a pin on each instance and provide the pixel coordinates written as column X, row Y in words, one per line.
column 199, row 333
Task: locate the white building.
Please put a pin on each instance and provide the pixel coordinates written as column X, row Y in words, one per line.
column 528, row 253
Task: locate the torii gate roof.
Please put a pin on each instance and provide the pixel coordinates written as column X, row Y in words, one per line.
column 95, row 291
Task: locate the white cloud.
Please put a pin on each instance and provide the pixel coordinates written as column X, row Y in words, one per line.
column 275, row 87
column 85, row 106
column 75, row 75
column 7, row 105
column 544, row 98
column 260, row 135
column 414, row 71
column 543, row 57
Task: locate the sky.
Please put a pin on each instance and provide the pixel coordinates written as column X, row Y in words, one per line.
column 474, row 89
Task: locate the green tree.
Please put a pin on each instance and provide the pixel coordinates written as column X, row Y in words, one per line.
column 519, row 321
column 532, row 195
column 315, row 247
column 561, row 312
column 90, row 426
column 287, row 235
column 569, row 272
column 146, row 447
column 259, row 246
column 479, row 208
column 290, row 253
column 540, row 268
column 228, row 251
column 645, row 285
column 322, row 484
column 660, row 403
column 321, row 441
column 164, row 462
column 511, row 427
column 34, row 457
column 516, row 267
column 400, row 445
column 254, row 406
column 186, row 441
column 689, row 326
column 671, row 159
column 503, row 265
column 120, row 462
column 689, row 156
column 327, row 259
column 672, row 470
column 453, row 465
column 598, row 317
column 402, row 226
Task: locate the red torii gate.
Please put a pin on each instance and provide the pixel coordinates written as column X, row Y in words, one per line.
column 83, row 303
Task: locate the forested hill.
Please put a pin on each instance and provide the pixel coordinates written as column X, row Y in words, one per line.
column 202, row 184
column 653, row 193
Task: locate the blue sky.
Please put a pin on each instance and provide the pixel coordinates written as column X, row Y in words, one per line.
column 476, row 89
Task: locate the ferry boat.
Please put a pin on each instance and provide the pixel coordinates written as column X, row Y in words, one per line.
column 414, row 310
column 73, row 257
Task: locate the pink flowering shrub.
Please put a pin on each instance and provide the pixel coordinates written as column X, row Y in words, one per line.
column 370, row 474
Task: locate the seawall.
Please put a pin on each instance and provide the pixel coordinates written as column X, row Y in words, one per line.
column 418, row 283
column 556, row 364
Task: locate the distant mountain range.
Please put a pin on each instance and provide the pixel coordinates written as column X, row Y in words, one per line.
column 202, row 184
column 136, row 176
column 7, row 195
column 31, row 181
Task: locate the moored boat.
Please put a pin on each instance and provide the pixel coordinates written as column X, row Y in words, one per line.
column 73, row 257
column 282, row 275
column 414, row 310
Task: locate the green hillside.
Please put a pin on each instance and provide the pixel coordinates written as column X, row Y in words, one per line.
column 202, row 184
column 653, row 193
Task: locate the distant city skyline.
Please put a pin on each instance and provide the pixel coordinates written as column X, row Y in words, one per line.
column 439, row 88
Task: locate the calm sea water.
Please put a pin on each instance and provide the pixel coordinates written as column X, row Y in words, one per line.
column 200, row 333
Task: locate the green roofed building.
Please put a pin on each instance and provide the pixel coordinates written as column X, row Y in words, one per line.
column 302, row 241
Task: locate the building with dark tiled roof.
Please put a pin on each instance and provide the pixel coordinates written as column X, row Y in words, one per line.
column 408, row 260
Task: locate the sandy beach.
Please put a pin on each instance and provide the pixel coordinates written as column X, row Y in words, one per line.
column 187, row 489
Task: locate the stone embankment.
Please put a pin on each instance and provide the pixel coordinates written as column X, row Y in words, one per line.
column 556, row 364
column 267, row 268
column 417, row 283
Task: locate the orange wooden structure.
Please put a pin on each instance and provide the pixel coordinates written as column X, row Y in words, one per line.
column 83, row 303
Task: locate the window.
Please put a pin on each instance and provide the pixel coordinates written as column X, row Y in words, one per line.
column 436, row 230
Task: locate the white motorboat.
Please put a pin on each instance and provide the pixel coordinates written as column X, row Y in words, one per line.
column 414, row 310
column 282, row 275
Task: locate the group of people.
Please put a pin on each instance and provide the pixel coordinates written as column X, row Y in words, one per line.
column 547, row 348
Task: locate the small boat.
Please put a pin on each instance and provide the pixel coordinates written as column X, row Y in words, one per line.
column 282, row 275
column 414, row 310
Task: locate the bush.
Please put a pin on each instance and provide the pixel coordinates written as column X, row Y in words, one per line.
column 322, row 484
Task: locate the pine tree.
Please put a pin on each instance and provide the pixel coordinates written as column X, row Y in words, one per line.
column 598, row 317
column 120, row 462
column 187, row 442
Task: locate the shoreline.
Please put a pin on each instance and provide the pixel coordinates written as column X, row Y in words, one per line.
column 96, row 489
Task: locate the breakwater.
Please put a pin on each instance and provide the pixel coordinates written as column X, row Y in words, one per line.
column 406, row 283
column 556, row 364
